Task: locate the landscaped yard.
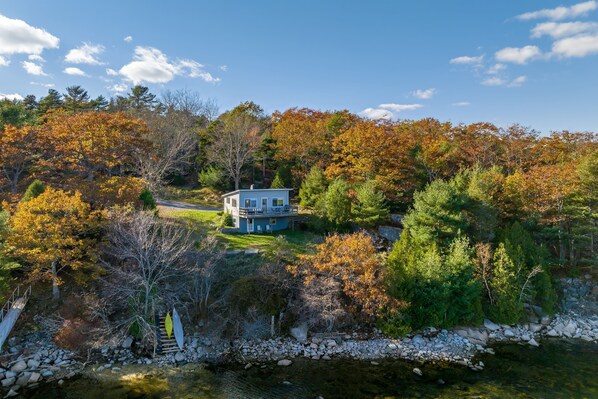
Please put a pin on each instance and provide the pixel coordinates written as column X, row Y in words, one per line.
column 205, row 222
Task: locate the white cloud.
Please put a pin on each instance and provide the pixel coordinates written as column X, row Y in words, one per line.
column 14, row 96
column 33, row 69
column 35, row 57
column 47, row 85
column 400, row 107
column 74, row 71
column 118, row 88
column 424, row 94
column 496, row 81
column 518, row 81
column 558, row 30
column 4, row 61
column 518, row 55
column 577, row 46
column 561, row 12
column 128, row 39
column 223, row 68
column 111, row 72
column 152, row 65
column 496, row 68
column 376, row 113
column 467, row 60
column 462, row 104
column 85, row 54
column 16, row 36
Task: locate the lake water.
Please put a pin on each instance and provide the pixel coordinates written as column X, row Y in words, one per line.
column 556, row 369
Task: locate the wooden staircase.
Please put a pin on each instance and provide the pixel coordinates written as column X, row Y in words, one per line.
column 11, row 310
column 165, row 344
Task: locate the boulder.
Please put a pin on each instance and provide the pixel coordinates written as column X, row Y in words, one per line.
column 396, row 218
column 490, row 325
column 418, row 372
column 392, row 234
column 32, row 363
column 8, row 381
column 284, row 362
column 533, row 342
column 300, row 332
column 127, row 342
column 19, row 366
column 509, row 333
column 179, row 357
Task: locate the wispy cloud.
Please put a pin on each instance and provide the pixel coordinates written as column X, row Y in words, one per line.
column 118, row 88
column 518, row 55
column 16, row 36
column 424, row 94
column 46, row 85
column 465, row 59
column 74, row 71
column 85, row 54
column 33, row 69
column 496, row 68
column 497, row 81
column 153, row 66
column 561, row 12
column 558, row 30
column 387, row 111
column 128, row 39
column 111, row 72
column 376, row 113
column 577, row 46
column 400, row 107
column 4, row 61
column 461, row 104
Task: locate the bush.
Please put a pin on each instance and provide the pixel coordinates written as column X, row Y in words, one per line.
column 227, row 220
column 34, row 190
column 370, row 209
column 146, row 196
column 211, row 177
column 313, row 187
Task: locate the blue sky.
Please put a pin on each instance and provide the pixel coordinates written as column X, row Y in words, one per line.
column 530, row 62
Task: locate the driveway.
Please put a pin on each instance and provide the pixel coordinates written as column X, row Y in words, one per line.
column 184, row 205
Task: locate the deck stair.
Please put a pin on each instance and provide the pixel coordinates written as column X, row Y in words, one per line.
column 11, row 311
column 165, row 344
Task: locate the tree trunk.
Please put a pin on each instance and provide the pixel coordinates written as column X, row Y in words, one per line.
column 237, row 178
column 55, row 287
column 561, row 245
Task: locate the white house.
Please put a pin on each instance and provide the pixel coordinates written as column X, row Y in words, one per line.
column 259, row 210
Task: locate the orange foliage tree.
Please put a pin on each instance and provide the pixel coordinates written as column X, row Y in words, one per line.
column 351, row 260
column 53, row 231
column 18, row 152
column 90, row 143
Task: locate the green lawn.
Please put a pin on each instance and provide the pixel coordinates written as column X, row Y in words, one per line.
column 204, row 222
column 196, row 196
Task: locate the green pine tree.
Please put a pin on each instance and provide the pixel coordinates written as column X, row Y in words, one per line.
column 313, row 187
column 337, row 203
column 278, row 181
column 370, row 209
column 35, row 189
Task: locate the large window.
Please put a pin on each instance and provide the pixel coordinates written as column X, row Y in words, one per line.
column 277, row 202
column 228, row 200
column 250, row 203
column 234, row 202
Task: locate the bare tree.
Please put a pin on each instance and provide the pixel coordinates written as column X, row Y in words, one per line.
column 321, row 303
column 236, row 140
column 191, row 103
column 143, row 254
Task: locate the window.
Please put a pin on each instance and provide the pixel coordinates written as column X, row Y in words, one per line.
column 228, row 200
column 250, row 203
column 234, row 202
column 272, row 220
column 277, row 201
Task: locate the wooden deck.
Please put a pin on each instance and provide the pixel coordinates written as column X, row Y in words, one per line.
column 269, row 212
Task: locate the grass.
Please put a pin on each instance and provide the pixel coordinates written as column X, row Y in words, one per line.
column 205, row 222
column 196, row 196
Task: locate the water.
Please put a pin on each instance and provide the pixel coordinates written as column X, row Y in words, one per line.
column 556, row 369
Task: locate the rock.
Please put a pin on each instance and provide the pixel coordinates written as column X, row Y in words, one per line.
column 60, row 382
column 10, row 374
column 374, row 363
column 533, row 342
column 392, row 234
column 396, row 218
column 300, row 332
column 490, row 325
column 32, row 363
column 570, row 328
column 552, row 333
column 35, row 377
column 418, row 372
column 331, row 343
column 509, row 333
column 179, row 357
column 23, row 379
column 534, row 327
column 19, row 366
column 8, row 381
column 526, row 337
column 248, row 366
column 284, row 362
column 545, row 320
column 127, row 342
column 392, row 346
column 11, row 393
column 47, row 373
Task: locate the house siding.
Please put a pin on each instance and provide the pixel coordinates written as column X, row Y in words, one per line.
column 259, row 196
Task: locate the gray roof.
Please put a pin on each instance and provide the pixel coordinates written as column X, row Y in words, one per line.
column 256, row 189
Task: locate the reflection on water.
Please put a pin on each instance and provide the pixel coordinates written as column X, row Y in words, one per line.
column 555, row 370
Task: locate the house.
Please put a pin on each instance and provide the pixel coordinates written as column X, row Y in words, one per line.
column 260, row 210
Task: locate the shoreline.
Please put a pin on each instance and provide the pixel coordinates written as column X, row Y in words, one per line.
column 45, row 363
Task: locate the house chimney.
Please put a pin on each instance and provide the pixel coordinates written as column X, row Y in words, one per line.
column 251, row 187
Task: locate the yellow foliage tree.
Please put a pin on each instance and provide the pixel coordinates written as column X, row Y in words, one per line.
column 54, row 231
column 352, row 261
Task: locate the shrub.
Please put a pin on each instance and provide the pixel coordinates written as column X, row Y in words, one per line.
column 313, row 187
column 227, row 220
column 370, row 209
column 147, row 198
column 34, row 190
column 211, row 177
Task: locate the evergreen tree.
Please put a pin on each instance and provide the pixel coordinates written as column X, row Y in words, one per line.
column 76, row 99
column 140, row 98
column 371, row 208
column 507, row 307
column 313, row 187
column 278, row 181
column 338, row 203
column 33, row 191
column 52, row 101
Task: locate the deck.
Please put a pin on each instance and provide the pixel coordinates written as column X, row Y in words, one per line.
column 269, row 212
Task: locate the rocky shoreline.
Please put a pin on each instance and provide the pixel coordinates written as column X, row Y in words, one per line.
column 31, row 363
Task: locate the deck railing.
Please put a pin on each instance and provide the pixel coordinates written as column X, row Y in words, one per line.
column 16, row 294
column 270, row 211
